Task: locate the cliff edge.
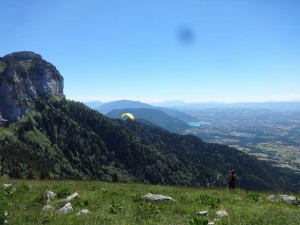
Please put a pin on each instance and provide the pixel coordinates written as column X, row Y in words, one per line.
column 24, row 77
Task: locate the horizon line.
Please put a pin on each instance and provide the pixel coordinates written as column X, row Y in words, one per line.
column 142, row 100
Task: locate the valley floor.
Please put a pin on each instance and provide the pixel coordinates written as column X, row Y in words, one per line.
column 115, row 203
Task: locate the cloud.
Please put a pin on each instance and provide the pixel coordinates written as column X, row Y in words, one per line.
column 292, row 96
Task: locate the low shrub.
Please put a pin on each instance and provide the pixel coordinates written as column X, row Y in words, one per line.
column 62, row 192
column 198, row 221
column 254, row 196
column 209, row 201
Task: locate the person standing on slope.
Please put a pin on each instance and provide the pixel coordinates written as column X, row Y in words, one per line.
column 231, row 177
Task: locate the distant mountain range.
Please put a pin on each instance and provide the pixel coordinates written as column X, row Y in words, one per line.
column 181, row 105
column 178, row 104
column 170, row 119
column 93, row 104
column 122, row 104
column 154, row 116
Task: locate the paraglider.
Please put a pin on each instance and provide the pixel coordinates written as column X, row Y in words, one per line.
column 129, row 115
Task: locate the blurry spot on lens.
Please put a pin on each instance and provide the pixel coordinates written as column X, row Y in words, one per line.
column 186, row 35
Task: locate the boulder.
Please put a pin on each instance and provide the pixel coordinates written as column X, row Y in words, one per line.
column 49, row 195
column 202, row 213
column 71, row 197
column 222, row 213
column 48, row 208
column 290, row 199
column 83, row 211
column 66, row 209
column 7, row 185
column 158, row 197
column 271, row 198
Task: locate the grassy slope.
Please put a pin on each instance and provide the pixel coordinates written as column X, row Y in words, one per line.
column 25, row 205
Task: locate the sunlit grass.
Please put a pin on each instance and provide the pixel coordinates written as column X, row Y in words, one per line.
column 116, row 203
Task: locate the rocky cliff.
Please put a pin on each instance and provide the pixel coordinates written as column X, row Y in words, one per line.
column 25, row 77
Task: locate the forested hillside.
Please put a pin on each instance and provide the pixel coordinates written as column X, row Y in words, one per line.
column 61, row 139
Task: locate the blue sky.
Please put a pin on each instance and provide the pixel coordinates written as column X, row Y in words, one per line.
column 155, row 50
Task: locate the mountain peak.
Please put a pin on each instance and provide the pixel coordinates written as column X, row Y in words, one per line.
column 25, row 77
column 23, row 55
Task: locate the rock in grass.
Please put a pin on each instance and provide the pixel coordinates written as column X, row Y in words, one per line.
column 7, row 185
column 211, row 223
column 49, row 195
column 71, row 197
column 222, row 213
column 48, row 208
column 290, row 199
column 66, row 209
column 158, row 197
column 83, row 211
column 202, row 213
column 271, row 198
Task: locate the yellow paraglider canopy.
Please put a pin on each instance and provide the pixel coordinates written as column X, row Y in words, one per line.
column 129, row 115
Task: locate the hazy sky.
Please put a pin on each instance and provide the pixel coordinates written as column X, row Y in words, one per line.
column 201, row 50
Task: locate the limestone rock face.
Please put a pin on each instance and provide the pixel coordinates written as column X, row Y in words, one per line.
column 25, row 77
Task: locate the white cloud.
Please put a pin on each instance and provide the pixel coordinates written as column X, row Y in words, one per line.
column 291, row 96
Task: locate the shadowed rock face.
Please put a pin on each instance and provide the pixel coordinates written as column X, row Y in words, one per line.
column 24, row 77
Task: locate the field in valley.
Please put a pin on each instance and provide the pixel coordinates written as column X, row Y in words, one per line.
column 268, row 134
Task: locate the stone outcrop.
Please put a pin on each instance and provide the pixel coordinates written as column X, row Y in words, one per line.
column 83, row 211
column 66, row 209
column 271, row 198
column 153, row 197
column 48, row 208
column 290, row 199
column 49, row 195
column 222, row 213
column 71, row 197
column 202, row 213
column 25, row 77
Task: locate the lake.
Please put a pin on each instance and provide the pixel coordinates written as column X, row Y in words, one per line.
column 198, row 123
